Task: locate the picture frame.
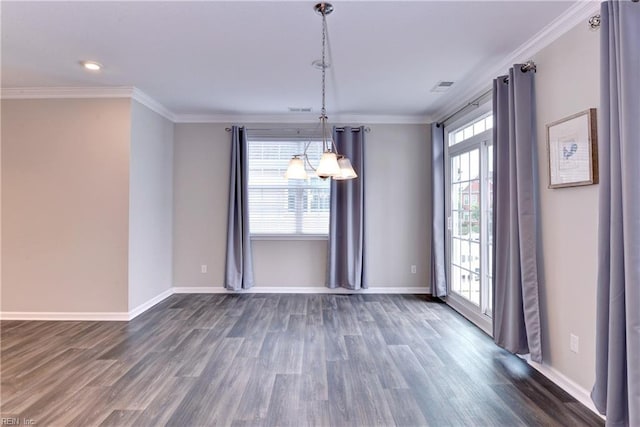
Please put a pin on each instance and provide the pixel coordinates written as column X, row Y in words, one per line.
column 572, row 148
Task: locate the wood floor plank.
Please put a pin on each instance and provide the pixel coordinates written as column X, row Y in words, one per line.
column 314, row 371
column 365, row 396
column 404, row 408
column 284, row 404
column 199, row 403
column 254, row 401
column 339, row 411
column 120, row 418
column 266, row 360
column 314, row 310
column 159, row 412
column 387, row 370
column 315, row 413
column 335, row 347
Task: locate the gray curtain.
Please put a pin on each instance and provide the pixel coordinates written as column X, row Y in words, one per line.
column 438, row 226
column 516, row 316
column 617, row 387
column 239, row 265
column 345, row 258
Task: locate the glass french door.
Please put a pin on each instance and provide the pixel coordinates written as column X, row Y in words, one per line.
column 470, row 214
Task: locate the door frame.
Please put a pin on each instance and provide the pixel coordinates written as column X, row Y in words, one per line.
column 468, row 309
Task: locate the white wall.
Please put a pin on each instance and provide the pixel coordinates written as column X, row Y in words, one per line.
column 150, row 205
column 65, row 203
column 567, row 81
column 396, row 212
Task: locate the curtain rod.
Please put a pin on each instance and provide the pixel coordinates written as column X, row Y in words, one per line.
column 528, row 66
column 474, row 103
column 339, row 129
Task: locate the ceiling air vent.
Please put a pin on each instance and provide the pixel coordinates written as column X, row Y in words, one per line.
column 299, row 109
column 442, row 86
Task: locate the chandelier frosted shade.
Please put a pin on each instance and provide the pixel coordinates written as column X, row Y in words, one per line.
column 328, row 166
column 346, row 170
column 296, row 169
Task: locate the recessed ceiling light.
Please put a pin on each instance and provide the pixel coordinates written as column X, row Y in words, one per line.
column 91, row 65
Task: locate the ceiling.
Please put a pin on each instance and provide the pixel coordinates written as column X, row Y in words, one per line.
column 254, row 58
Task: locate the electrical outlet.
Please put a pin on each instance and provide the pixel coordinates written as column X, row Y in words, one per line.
column 203, row 268
column 574, row 343
column 413, row 269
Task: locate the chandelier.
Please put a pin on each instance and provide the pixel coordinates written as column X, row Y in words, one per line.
column 332, row 164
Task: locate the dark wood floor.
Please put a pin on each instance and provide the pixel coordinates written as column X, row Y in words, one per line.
column 275, row 360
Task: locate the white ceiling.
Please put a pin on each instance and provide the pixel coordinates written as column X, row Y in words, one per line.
column 254, row 58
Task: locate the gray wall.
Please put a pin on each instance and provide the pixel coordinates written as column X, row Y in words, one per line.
column 150, row 205
column 567, row 82
column 65, row 205
column 396, row 215
column 200, row 190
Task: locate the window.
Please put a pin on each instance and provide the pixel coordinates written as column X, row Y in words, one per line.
column 471, row 129
column 283, row 207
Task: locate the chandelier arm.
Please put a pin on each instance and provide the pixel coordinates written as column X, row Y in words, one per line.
column 306, row 147
column 306, row 159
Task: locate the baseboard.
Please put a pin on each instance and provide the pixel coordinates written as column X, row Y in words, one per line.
column 125, row 316
column 580, row 394
column 147, row 305
column 122, row 316
column 299, row 290
column 200, row 290
column 68, row 316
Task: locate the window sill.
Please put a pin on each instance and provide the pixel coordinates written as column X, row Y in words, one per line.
column 284, row 237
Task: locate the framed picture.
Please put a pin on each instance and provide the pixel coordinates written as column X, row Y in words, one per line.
column 573, row 150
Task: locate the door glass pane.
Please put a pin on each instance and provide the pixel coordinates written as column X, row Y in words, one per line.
column 457, row 229
column 455, row 169
column 463, row 170
column 474, row 289
column 455, row 279
column 471, row 198
column 455, row 252
column 474, row 165
column 464, row 254
column 464, row 284
column 474, row 251
column 456, row 196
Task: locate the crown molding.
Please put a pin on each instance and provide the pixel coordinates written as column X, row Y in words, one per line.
column 144, row 99
column 66, row 92
column 580, row 11
column 299, row 118
column 152, row 104
column 85, row 93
